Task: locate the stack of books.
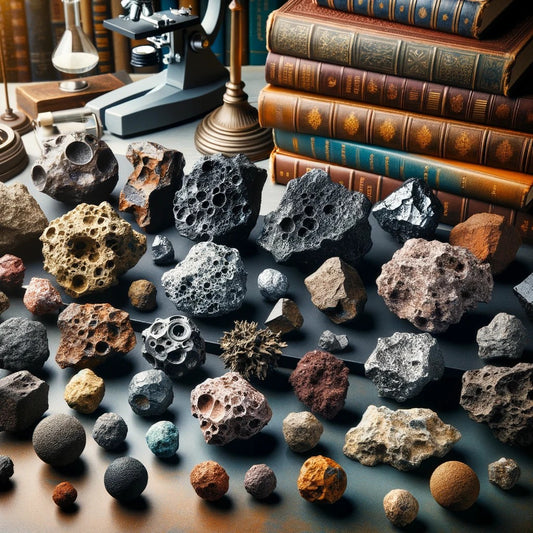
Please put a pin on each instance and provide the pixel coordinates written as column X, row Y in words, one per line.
column 379, row 91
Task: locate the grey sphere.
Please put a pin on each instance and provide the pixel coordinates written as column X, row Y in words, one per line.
column 150, row 393
column 272, row 284
column 260, row 481
column 110, row 431
column 125, row 478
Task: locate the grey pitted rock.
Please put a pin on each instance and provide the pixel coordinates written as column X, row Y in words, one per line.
column 174, row 345
column 229, row 408
column 524, row 292
column 220, row 199
column 402, row 365
column 210, row 281
column 148, row 193
column 504, row 473
column 402, row 438
column 150, row 393
column 504, row 336
column 162, row 250
column 432, row 284
column 330, row 342
column 89, row 247
column 272, row 284
column 76, row 168
column 302, row 431
column 502, row 398
column 411, row 211
column 317, row 219
column 23, row 400
column 109, row 431
column 21, row 220
column 23, row 344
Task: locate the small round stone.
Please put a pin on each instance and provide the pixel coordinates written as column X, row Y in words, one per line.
column 260, row 481
column 150, row 393
column 163, row 438
column 272, row 284
column 143, row 295
column 321, row 479
column 59, row 439
column 209, row 480
column 454, row 485
column 125, row 478
column 504, row 473
column 400, row 506
column 6, row 469
column 64, row 495
column 84, row 391
column 110, row 431
column 302, row 431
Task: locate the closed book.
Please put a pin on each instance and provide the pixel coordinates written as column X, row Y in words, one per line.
column 302, row 29
column 102, row 37
column 400, row 130
column 57, row 20
column 507, row 188
column 40, row 40
column 13, row 31
column 285, row 166
column 258, row 12
column 464, row 17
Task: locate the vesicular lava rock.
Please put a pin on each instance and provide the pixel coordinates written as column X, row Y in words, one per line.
column 337, row 290
column 321, row 479
column 21, row 220
column 150, row 393
column 109, row 431
column 220, row 199
column 402, row 438
column 41, row 297
column 320, row 381
column 84, row 391
column 272, row 284
column 174, row 345
column 11, row 273
column 302, row 431
column 504, row 336
column 504, row 473
column 149, row 190
column 402, row 365
column 162, row 250
column 502, row 398
column 524, row 292
column 210, row 281
column 209, row 480
column 76, row 168
column 89, row 247
column 432, row 284
column 284, row 317
column 90, row 333
column 229, row 408
column 317, row 219
column 411, row 211
column 454, row 485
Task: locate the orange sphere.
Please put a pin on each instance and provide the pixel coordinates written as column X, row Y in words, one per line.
column 454, row 485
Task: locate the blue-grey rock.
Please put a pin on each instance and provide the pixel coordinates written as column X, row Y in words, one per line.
column 272, row 284
column 174, row 345
column 330, row 342
column 6, row 469
column 504, row 336
column 402, row 365
column 524, row 292
column 162, row 250
column 125, row 478
column 210, row 281
column 23, row 344
column 150, row 393
column 411, row 211
column 163, row 438
column 317, row 219
column 219, row 200
column 109, row 431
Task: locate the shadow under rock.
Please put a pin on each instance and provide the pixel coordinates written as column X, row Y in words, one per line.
column 341, row 509
column 224, row 504
column 140, row 504
column 77, row 469
column 262, row 444
column 514, row 274
column 479, row 514
column 116, row 367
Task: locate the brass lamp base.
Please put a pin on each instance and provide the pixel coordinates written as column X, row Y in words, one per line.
column 13, row 156
column 16, row 120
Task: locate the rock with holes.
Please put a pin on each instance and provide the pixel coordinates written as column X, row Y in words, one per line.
column 210, row 281
column 76, row 168
column 150, row 393
column 148, row 193
column 174, row 345
column 90, row 333
column 317, row 219
column 229, row 408
column 220, row 199
column 432, row 284
column 504, row 336
column 88, row 248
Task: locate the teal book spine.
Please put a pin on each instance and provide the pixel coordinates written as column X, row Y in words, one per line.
column 511, row 189
column 258, row 12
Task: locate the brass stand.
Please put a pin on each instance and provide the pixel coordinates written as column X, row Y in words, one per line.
column 234, row 127
column 13, row 156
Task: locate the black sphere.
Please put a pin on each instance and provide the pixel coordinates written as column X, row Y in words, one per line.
column 125, row 478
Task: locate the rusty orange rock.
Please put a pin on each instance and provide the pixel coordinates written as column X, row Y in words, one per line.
column 321, row 479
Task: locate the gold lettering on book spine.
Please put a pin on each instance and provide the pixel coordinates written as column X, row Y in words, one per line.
column 463, row 144
column 387, row 131
column 351, row 124
column 423, row 137
column 314, row 118
column 504, row 152
column 332, row 46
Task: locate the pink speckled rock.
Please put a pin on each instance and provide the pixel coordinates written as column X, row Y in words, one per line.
column 42, row 298
column 11, row 273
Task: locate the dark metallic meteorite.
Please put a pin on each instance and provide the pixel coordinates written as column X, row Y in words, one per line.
column 162, row 250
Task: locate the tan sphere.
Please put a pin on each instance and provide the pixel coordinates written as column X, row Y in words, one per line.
column 400, row 506
column 454, row 485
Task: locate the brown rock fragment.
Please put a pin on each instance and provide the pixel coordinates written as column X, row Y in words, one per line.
column 209, row 480
column 11, row 273
column 284, row 317
column 84, row 391
column 4, row 302
column 321, row 479
column 490, row 238
column 142, row 294
column 337, row 290
column 41, row 297
column 454, row 485
column 504, row 473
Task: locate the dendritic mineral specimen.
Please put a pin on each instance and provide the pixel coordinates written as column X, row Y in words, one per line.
column 250, row 351
column 317, row 219
column 89, row 247
column 321, row 479
column 149, row 190
column 76, row 168
column 402, row 438
column 432, row 284
column 220, row 199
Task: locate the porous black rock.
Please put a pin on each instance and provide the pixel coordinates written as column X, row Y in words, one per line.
column 524, row 292
column 23, row 344
column 162, row 250
column 411, row 211
column 220, row 199
column 125, row 478
column 317, row 219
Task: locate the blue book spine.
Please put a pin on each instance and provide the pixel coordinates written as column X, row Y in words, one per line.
column 258, row 12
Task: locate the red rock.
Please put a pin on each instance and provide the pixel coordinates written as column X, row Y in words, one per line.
column 209, row 480
column 41, row 297
column 11, row 273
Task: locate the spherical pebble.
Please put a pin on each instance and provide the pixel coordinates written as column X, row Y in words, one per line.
column 260, row 481
column 143, row 295
column 150, row 393
column 272, row 284
column 6, row 469
column 85, row 391
column 59, row 439
column 321, row 479
column 209, row 480
column 163, row 438
column 302, row 431
column 504, row 473
column 109, row 431
column 400, row 506
column 454, row 485
column 64, row 495
column 125, row 478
